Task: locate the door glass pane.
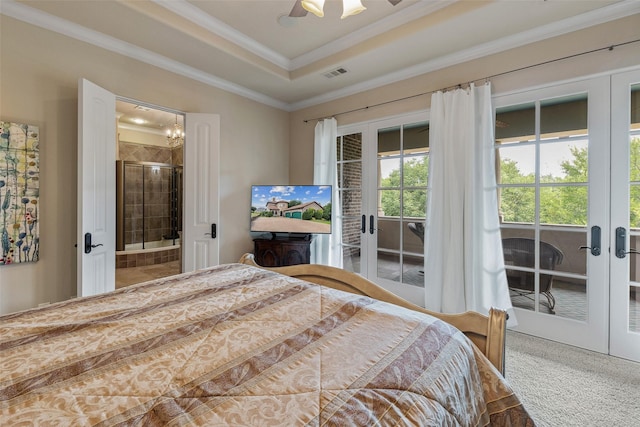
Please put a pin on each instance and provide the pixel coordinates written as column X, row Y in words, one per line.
column 516, row 123
column 350, row 147
column 634, row 210
column 516, row 164
column 413, row 250
column 560, row 252
column 389, row 141
column 351, row 236
column 415, row 138
column 415, row 170
column 388, row 231
column 634, row 282
column 350, row 193
column 388, row 266
column 351, row 199
column 388, row 203
column 350, row 176
column 517, row 204
column 634, row 202
column 414, row 204
column 389, row 171
column 563, row 117
column 564, row 161
column 634, row 308
column 564, row 205
column 518, row 247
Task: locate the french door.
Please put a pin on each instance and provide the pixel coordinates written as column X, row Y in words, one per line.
column 625, row 216
column 552, row 151
column 569, row 191
column 382, row 183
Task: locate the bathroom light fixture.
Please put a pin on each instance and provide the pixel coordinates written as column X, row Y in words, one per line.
column 349, row 7
column 175, row 135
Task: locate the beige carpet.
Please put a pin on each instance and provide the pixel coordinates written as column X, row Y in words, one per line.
column 563, row 386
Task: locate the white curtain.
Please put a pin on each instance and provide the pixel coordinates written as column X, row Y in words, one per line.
column 464, row 264
column 326, row 248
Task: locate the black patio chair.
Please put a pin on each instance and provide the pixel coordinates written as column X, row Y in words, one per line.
column 520, row 252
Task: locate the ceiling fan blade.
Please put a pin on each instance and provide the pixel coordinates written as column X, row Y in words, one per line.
column 298, row 11
column 394, row 2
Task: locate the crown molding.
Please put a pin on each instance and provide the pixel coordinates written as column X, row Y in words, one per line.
column 599, row 16
column 49, row 22
column 208, row 22
column 195, row 15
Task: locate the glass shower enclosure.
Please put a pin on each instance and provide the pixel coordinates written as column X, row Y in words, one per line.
column 148, row 205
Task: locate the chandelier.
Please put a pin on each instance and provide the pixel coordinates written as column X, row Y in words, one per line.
column 349, row 7
column 175, row 135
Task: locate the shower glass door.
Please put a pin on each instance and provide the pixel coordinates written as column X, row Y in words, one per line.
column 149, row 200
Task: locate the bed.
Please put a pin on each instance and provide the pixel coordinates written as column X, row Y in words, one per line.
column 239, row 345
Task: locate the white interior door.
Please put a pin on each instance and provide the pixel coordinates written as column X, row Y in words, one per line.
column 201, row 206
column 625, row 216
column 96, row 189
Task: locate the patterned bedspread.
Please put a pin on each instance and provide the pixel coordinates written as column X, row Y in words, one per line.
column 235, row 345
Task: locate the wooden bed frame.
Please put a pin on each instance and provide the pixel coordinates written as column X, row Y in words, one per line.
column 486, row 332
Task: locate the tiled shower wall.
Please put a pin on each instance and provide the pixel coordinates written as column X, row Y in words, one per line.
column 150, row 153
column 156, row 184
column 146, row 203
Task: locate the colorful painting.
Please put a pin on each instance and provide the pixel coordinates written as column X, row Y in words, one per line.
column 19, row 193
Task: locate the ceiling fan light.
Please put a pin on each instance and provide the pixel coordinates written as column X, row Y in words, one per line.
column 351, row 7
column 314, row 6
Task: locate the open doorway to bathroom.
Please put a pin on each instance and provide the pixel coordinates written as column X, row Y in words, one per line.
column 149, row 193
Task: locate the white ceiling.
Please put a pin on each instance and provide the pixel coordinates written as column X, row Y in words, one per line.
column 239, row 45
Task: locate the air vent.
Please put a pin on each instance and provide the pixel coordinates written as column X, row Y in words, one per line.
column 141, row 108
column 335, row 73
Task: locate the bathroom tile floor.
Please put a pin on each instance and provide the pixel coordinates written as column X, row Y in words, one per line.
column 130, row 276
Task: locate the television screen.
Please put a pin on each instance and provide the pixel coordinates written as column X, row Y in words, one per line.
column 291, row 209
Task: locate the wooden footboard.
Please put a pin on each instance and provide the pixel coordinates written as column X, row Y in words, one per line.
column 487, row 333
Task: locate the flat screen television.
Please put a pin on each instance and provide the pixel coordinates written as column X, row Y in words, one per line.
column 292, row 209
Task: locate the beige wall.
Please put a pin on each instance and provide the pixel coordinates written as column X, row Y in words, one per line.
column 623, row 30
column 39, row 72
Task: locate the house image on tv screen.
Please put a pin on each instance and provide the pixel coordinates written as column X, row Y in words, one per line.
column 291, row 209
column 281, row 208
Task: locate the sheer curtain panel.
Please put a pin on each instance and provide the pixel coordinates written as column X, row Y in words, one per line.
column 325, row 248
column 464, row 264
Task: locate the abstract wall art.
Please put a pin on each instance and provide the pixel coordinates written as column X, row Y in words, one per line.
column 19, row 193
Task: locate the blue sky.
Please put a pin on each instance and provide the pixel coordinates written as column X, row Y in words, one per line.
column 305, row 193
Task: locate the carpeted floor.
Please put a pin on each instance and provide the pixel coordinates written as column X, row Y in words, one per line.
column 563, row 386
